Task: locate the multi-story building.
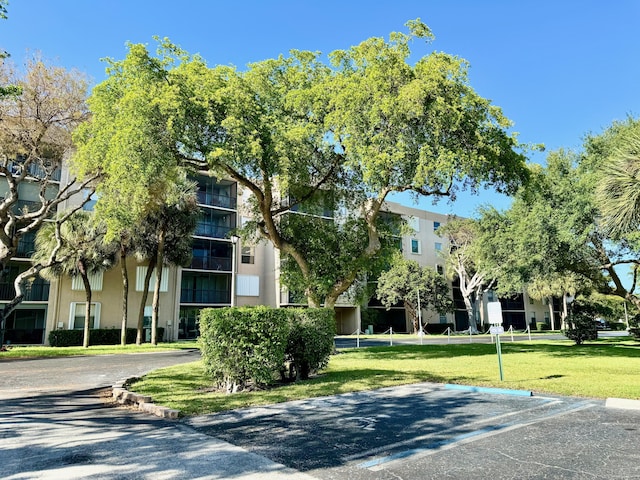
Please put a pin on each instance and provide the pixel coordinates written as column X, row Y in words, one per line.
column 225, row 272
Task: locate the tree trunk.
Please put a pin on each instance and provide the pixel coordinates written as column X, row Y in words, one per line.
column 143, row 301
column 552, row 317
column 156, row 289
column 87, row 307
column 125, row 294
column 473, row 328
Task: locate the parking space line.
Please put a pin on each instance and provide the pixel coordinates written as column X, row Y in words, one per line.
column 467, row 437
column 547, row 402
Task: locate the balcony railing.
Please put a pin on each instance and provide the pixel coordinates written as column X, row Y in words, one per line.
column 204, row 296
column 37, row 292
column 33, row 170
column 211, row 263
column 212, row 230
column 216, row 200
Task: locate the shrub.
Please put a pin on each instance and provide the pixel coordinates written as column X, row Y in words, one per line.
column 634, row 326
column 437, row 328
column 98, row 336
column 581, row 322
column 242, row 346
column 541, row 326
column 310, row 341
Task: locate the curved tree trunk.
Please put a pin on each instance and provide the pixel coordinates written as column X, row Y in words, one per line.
column 125, row 294
column 143, row 301
column 87, row 306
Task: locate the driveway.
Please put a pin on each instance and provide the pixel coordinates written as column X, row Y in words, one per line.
column 55, row 425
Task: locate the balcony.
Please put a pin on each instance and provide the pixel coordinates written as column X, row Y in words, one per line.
column 206, row 229
column 217, row 200
column 205, row 288
column 34, row 170
column 38, row 291
column 211, row 263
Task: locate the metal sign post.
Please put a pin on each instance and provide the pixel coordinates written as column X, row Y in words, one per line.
column 494, row 309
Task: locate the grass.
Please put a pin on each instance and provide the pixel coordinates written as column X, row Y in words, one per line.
column 599, row 369
column 47, row 352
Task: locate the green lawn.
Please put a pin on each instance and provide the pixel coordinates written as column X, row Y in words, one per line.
column 42, row 351
column 599, row 369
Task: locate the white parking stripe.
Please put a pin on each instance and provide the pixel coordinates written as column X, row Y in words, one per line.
column 377, row 463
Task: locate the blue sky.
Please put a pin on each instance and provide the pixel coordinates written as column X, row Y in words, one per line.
column 558, row 68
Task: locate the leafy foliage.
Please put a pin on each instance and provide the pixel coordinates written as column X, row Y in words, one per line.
column 99, row 336
column 582, row 322
column 368, row 124
column 248, row 347
column 310, row 341
column 410, row 283
column 243, row 346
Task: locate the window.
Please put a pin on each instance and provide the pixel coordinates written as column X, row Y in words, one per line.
column 443, row 318
column 414, row 224
column 436, row 226
column 95, row 281
column 248, row 285
column 142, row 271
column 248, row 254
column 438, row 246
column 76, row 315
column 440, row 269
column 415, row 246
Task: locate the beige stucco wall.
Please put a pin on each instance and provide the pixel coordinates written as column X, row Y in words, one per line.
column 110, row 299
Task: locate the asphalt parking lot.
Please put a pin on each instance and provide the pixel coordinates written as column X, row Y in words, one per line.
column 430, row 431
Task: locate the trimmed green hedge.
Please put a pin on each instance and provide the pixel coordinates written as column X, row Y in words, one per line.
column 99, row 336
column 246, row 347
column 437, row 328
column 310, row 340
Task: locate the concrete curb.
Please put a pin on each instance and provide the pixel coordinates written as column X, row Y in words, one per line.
column 142, row 402
column 624, row 403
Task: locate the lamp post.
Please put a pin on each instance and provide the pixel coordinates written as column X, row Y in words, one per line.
column 234, row 248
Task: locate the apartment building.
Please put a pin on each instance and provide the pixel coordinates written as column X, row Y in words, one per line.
column 224, row 271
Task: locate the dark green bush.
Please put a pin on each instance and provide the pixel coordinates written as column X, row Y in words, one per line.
column 634, row 326
column 310, row 341
column 100, row 336
column 541, row 326
column 581, row 322
column 242, row 346
column 437, row 328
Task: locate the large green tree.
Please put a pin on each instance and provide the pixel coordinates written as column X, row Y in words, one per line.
column 368, row 124
column 468, row 264
column 419, row 288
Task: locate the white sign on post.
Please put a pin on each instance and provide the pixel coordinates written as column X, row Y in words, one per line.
column 496, row 330
column 494, row 309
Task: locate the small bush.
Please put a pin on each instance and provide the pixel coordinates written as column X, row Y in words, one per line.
column 310, row 340
column 242, row 346
column 437, row 328
column 581, row 322
column 542, row 326
column 99, row 336
column 634, row 326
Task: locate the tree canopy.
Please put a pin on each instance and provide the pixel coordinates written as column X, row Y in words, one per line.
column 416, row 286
column 291, row 129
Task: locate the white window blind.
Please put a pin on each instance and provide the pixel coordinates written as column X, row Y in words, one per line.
column 142, row 271
column 95, row 280
column 248, row 285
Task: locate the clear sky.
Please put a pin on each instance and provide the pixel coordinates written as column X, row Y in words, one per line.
column 558, row 68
